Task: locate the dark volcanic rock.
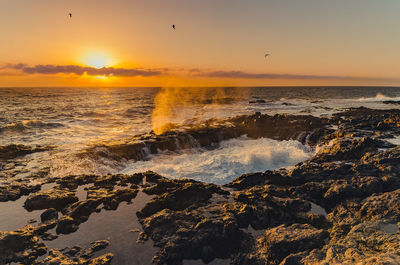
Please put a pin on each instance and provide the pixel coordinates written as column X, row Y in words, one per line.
column 48, row 236
column 81, row 210
column 383, row 206
column 339, row 207
column 257, row 101
column 254, row 179
column 53, row 198
column 57, row 257
column 280, row 242
column 66, row 225
column 307, row 129
column 364, row 243
column 98, row 245
column 13, row 151
column 24, row 246
column 182, row 197
column 178, row 222
column 358, row 121
column 347, row 178
column 192, row 236
column 14, row 246
column 78, row 256
column 192, row 220
column 48, row 215
column 348, row 149
column 15, row 191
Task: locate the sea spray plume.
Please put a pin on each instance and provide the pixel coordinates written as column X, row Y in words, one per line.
column 181, row 106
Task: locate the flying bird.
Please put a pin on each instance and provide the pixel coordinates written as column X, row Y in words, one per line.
column 173, row 26
column 70, row 15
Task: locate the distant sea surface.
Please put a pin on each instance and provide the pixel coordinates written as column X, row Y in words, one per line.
column 73, row 119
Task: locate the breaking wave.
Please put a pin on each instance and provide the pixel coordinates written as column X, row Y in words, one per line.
column 378, row 98
column 30, row 124
column 231, row 159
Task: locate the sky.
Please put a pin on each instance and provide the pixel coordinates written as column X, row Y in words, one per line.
column 216, row 42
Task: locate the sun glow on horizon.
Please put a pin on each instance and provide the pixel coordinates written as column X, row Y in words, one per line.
column 97, row 59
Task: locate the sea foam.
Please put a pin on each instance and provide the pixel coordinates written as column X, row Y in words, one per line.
column 378, row 98
column 231, row 159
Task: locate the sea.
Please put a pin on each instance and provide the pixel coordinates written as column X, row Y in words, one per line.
column 68, row 121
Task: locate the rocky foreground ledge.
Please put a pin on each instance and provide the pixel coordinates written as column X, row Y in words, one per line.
column 342, row 206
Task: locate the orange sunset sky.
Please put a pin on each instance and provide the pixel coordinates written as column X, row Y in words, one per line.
column 216, row 42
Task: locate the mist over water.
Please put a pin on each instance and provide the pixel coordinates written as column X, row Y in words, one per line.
column 70, row 120
column 177, row 107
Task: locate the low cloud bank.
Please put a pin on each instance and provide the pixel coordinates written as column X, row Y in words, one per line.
column 240, row 74
column 51, row 69
column 80, row 70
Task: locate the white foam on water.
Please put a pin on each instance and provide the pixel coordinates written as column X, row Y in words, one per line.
column 395, row 140
column 378, row 97
column 64, row 164
column 231, row 159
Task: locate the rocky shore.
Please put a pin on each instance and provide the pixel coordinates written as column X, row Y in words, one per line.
column 342, row 206
column 304, row 128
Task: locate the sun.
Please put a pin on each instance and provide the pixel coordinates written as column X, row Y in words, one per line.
column 97, row 59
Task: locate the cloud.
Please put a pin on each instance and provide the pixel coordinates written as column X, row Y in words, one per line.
column 240, row 74
column 51, row 69
column 80, row 70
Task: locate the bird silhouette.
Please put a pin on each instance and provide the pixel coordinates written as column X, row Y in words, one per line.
column 173, row 26
column 70, row 15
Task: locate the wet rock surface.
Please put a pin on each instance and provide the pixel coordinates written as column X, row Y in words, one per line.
column 307, row 129
column 259, row 218
column 53, row 198
column 16, row 190
column 12, row 151
column 78, row 255
column 64, row 213
column 279, row 242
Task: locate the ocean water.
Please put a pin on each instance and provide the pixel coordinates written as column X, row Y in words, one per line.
column 232, row 158
column 71, row 120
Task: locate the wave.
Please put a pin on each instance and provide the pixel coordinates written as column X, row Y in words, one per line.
column 30, row 124
column 93, row 114
column 231, row 159
column 137, row 111
column 69, row 163
column 234, row 153
column 379, row 98
column 209, row 134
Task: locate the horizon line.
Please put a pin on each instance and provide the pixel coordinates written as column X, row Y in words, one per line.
column 266, row 86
